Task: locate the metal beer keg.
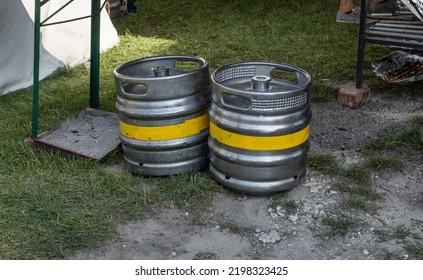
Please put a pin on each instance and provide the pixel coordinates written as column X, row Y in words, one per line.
column 259, row 126
column 163, row 116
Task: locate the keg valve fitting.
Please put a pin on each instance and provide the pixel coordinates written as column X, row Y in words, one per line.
column 161, row 71
column 261, row 83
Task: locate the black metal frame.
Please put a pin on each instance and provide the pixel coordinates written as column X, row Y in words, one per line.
column 398, row 38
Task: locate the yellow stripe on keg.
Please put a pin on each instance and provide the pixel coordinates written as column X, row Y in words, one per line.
column 167, row 132
column 259, row 143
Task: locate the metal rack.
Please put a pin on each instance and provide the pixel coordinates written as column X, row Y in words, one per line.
column 94, row 55
column 404, row 34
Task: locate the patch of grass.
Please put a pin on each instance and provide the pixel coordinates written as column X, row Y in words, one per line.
column 398, row 233
column 401, row 233
column 418, row 224
column 415, row 250
column 366, row 191
column 290, row 206
column 322, row 93
column 188, row 190
column 410, row 241
column 205, row 256
column 324, row 163
column 383, row 234
column 354, row 202
column 382, row 162
column 200, row 220
column 358, row 173
column 341, row 225
column 390, row 256
column 409, row 139
column 416, row 120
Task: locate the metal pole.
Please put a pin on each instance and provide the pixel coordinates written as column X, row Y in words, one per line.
column 36, row 72
column 95, row 54
column 361, row 46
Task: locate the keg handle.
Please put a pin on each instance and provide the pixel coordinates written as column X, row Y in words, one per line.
column 235, row 101
column 289, row 74
column 187, row 65
column 133, row 89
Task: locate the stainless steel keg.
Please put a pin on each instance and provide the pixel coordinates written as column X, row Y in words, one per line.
column 162, row 103
column 259, row 126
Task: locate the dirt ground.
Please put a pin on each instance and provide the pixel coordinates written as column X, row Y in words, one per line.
column 238, row 226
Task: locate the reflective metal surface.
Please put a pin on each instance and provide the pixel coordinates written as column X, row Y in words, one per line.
column 163, row 114
column 260, row 115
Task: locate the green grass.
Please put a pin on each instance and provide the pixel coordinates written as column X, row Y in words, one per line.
column 408, row 140
column 410, row 241
column 51, row 206
column 382, row 162
column 366, row 191
column 354, row 202
column 205, row 256
column 290, row 206
column 324, row 163
column 341, row 225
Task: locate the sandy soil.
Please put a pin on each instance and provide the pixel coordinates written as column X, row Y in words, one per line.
column 239, row 226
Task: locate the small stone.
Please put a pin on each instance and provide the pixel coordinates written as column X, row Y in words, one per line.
column 271, row 237
column 331, row 192
column 293, row 218
column 173, row 254
column 366, row 252
column 281, row 214
column 314, row 189
column 273, row 215
column 258, row 230
column 405, row 256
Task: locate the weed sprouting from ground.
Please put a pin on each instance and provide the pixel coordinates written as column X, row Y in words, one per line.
column 290, row 206
column 341, row 225
column 324, row 163
column 365, row 191
column 410, row 241
column 407, row 140
column 354, row 202
column 358, row 173
column 205, row 256
column 382, row 162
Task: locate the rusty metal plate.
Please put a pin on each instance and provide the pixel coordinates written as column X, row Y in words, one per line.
column 91, row 134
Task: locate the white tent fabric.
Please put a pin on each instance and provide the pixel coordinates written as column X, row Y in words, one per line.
column 62, row 44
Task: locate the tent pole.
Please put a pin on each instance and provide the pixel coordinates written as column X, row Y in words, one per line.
column 95, row 54
column 36, row 72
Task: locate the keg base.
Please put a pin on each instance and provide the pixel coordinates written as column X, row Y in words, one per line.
column 254, row 187
column 164, row 169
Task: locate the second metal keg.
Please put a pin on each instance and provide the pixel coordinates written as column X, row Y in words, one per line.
column 259, row 126
column 162, row 106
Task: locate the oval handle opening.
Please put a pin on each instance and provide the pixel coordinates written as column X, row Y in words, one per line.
column 186, row 65
column 132, row 88
column 284, row 75
column 236, row 101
